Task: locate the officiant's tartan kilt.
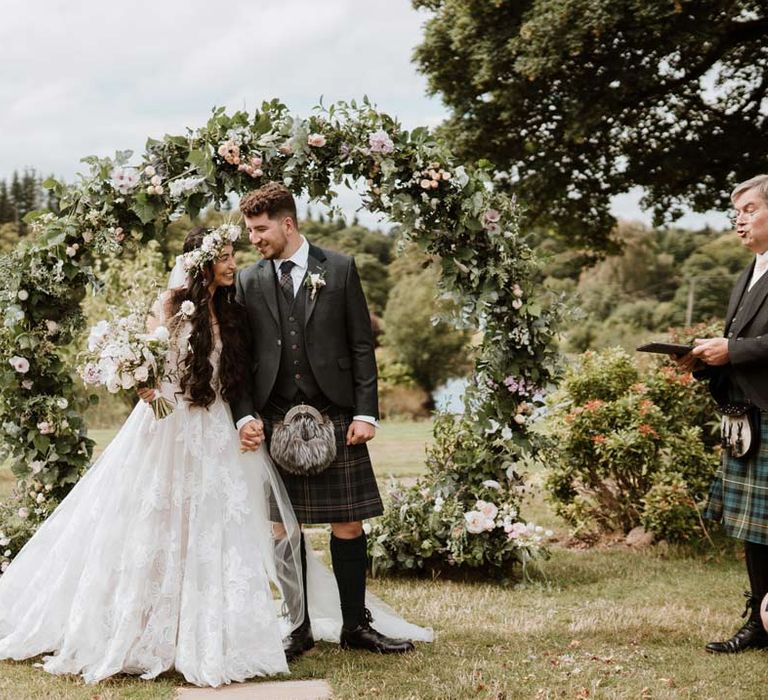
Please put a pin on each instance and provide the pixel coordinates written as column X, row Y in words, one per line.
column 738, row 497
column 344, row 492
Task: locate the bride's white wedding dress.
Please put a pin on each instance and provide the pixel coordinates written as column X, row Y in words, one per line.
column 162, row 557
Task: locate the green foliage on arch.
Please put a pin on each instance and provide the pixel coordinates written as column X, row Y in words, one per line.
column 452, row 211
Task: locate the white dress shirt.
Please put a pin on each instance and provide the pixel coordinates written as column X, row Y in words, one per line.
column 761, row 265
column 301, row 260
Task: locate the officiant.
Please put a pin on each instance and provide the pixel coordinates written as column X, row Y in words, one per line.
column 736, row 366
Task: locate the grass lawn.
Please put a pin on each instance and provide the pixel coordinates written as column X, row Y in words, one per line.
column 599, row 623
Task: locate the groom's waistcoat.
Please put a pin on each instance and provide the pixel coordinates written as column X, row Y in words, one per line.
column 295, row 373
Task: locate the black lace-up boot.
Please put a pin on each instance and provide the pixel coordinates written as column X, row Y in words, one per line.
column 752, row 635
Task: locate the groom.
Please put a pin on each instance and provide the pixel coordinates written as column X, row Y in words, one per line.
column 312, row 343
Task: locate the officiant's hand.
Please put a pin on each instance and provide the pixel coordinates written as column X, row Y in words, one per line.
column 251, row 436
column 712, row 351
column 360, row 432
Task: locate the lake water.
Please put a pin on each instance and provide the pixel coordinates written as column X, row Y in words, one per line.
column 450, row 396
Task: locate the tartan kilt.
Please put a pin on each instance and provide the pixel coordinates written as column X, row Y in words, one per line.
column 345, row 491
column 738, row 497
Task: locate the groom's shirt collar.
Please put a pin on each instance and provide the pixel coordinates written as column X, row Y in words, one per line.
column 300, row 257
column 301, row 260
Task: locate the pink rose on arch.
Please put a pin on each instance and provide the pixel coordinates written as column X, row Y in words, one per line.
column 316, row 140
column 46, row 428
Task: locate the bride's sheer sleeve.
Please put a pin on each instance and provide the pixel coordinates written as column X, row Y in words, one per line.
column 159, row 316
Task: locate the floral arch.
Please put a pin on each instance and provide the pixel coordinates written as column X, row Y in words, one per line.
column 464, row 512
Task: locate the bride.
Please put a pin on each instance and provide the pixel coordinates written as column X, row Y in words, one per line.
column 163, row 555
column 176, row 550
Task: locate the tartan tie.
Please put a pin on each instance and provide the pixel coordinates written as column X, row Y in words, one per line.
column 286, row 281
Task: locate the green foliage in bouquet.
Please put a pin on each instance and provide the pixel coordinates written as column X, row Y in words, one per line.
column 630, row 446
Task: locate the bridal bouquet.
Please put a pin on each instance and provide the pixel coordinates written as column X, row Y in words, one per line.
column 122, row 356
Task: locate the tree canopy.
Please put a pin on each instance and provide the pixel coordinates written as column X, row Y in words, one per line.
column 580, row 100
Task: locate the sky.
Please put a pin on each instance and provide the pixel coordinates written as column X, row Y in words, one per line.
column 83, row 77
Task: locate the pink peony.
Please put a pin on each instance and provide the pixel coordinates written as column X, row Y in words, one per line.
column 316, row 140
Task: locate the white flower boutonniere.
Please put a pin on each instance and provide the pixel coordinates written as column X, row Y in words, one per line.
column 313, row 282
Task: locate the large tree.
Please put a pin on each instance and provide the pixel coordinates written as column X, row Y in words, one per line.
column 580, row 100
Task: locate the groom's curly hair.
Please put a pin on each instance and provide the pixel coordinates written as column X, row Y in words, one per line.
column 273, row 198
column 196, row 372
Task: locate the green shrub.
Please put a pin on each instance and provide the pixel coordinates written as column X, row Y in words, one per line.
column 628, row 446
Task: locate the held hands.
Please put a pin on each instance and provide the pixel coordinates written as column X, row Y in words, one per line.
column 360, row 432
column 251, row 436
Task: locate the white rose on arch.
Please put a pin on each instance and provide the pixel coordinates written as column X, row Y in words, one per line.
column 20, row 364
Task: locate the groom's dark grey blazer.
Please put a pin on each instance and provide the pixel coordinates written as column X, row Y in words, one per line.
column 337, row 334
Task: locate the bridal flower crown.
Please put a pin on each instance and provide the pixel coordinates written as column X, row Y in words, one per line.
column 211, row 248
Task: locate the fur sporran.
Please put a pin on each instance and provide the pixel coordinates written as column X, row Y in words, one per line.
column 303, row 442
column 739, row 428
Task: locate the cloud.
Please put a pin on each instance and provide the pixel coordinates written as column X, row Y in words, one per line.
column 98, row 77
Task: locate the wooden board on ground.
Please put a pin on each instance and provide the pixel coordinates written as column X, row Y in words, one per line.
column 280, row 690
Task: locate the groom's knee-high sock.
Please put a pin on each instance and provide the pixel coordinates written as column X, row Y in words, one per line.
column 350, row 562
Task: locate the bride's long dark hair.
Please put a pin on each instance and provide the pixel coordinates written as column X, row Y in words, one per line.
column 196, row 372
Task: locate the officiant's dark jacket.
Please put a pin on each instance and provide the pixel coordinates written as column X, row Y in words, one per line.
column 746, row 327
column 334, row 342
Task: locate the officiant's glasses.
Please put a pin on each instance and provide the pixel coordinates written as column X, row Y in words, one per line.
column 734, row 215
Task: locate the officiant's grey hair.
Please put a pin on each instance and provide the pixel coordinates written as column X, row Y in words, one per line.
column 759, row 181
